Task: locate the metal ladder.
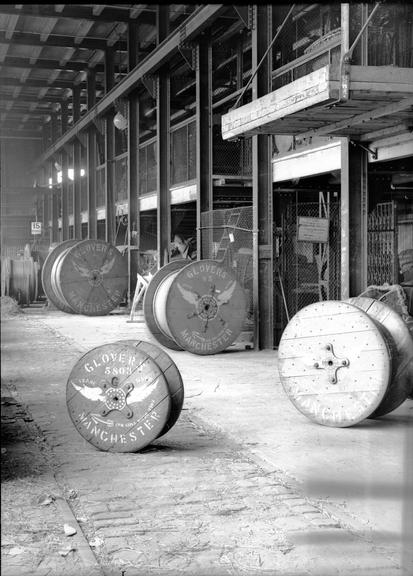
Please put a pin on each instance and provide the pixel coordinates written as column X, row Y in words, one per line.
column 225, row 238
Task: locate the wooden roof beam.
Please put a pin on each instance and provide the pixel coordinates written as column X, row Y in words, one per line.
column 32, row 82
column 198, row 21
column 76, row 12
column 17, row 62
column 32, row 39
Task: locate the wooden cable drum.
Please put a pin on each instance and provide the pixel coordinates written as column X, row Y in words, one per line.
column 23, row 280
column 46, row 275
column 335, row 363
column 401, row 385
column 198, row 306
column 119, row 395
column 172, row 375
column 167, row 271
column 90, row 277
column 5, row 276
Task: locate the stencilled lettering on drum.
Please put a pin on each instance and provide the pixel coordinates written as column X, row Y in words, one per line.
column 323, row 413
column 112, row 432
column 92, row 247
column 81, row 303
column 197, row 341
column 128, row 362
column 206, row 267
column 148, row 371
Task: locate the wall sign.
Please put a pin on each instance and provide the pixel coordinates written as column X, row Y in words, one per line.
column 312, row 229
column 36, row 227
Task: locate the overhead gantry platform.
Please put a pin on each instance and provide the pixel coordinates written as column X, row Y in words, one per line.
column 364, row 102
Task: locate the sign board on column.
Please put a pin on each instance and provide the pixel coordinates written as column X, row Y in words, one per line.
column 36, row 227
column 312, row 229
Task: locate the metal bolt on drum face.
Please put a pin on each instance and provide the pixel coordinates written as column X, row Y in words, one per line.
column 401, row 384
column 119, row 395
column 199, row 307
column 335, row 363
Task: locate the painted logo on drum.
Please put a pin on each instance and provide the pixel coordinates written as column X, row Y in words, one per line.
column 94, row 276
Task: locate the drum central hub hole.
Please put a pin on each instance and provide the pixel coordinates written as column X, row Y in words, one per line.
column 115, row 398
column 95, row 278
column 207, row 307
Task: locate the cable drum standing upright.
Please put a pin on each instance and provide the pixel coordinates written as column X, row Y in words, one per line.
column 85, row 277
column 199, row 307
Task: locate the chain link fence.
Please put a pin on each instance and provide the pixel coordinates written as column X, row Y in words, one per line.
column 306, row 271
column 226, row 236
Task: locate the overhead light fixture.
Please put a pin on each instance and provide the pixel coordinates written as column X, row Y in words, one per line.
column 120, row 121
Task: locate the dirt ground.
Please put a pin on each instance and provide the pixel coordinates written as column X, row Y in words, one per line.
column 196, row 501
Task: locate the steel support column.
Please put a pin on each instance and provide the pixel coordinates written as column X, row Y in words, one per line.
column 76, row 103
column 64, row 113
column 203, row 135
column 353, row 219
column 77, row 187
column 55, row 215
column 65, row 196
column 46, row 215
column 132, row 45
column 110, row 223
column 133, row 187
column 91, row 159
column 163, row 147
column 109, row 192
column 263, row 298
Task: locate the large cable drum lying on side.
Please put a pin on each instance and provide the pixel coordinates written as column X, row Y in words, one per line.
column 85, row 277
column 401, row 384
column 124, row 395
column 336, row 364
column 198, row 306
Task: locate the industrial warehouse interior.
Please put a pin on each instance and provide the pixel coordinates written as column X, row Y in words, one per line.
column 206, row 289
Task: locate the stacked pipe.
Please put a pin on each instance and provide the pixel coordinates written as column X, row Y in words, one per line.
column 341, row 362
column 20, row 278
column 85, row 277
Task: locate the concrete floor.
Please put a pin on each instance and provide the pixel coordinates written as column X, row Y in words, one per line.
column 360, row 477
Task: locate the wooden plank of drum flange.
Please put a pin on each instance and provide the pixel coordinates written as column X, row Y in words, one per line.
column 47, row 275
column 118, row 397
column 401, row 384
column 334, row 363
column 205, row 307
column 149, row 301
column 172, row 376
column 93, row 277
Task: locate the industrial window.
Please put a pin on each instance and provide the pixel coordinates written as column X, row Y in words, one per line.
column 147, row 168
column 183, row 153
